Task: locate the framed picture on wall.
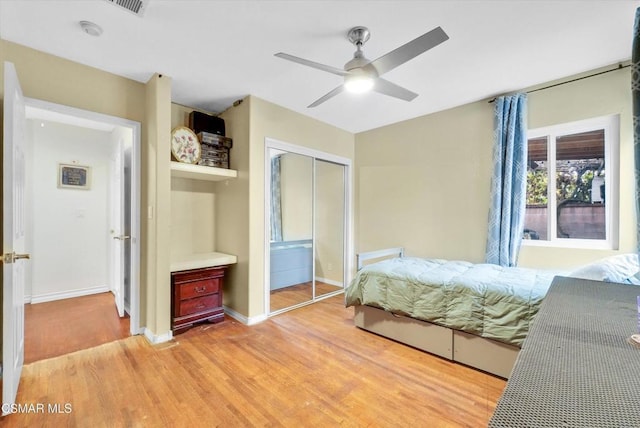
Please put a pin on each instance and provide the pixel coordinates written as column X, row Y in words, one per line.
column 72, row 176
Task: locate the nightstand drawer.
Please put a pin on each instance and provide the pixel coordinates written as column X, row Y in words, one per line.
column 197, row 275
column 199, row 304
column 197, row 288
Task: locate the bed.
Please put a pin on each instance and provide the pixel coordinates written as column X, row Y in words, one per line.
column 474, row 314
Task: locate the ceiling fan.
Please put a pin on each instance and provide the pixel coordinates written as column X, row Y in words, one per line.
column 361, row 74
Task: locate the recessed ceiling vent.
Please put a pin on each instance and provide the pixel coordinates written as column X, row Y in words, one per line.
column 136, row 7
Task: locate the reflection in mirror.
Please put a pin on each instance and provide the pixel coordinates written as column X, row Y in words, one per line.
column 291, row 249
column 329, row 227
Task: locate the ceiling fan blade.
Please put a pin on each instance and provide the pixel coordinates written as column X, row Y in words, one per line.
column 312, row 64
column 385, row 87
column 325, row 97
column 404, row 53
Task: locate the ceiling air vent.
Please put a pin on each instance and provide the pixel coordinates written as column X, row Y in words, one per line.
column 136, row 7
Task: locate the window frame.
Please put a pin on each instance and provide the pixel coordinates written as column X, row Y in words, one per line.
column 611, row 126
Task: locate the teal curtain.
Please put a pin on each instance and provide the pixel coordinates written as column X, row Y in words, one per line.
column 509, row 180
column 276, row 209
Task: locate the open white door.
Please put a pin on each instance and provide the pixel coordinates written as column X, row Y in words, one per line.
column 13, row 219
column 120, row 238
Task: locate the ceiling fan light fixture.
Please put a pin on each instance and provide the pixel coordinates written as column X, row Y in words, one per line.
column 358, row 84
column 361, row 75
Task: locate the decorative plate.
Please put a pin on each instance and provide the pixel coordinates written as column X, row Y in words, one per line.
column 185, row 146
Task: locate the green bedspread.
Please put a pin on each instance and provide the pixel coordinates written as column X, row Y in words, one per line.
column 482, row 299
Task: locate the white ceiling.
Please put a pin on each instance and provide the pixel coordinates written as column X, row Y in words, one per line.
column 220, row 51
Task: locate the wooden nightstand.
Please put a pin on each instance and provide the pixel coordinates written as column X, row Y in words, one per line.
column 196, row 297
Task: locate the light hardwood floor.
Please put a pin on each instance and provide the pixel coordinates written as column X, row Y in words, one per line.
column 300, row 293
column 63, row 326
column 308, row 367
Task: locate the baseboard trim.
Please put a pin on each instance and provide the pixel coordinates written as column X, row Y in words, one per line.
column 60, row 295
column 159, row 338
column 243, row 319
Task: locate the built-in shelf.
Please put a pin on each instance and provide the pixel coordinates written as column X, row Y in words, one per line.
column 199, row 172
column 201, row 260
column 185, row 262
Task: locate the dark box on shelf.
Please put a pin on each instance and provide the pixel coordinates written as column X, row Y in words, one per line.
column 205, row 122
column 215, row 140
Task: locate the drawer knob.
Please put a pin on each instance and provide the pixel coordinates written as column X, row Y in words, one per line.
column 201, row 305
column 200, row 289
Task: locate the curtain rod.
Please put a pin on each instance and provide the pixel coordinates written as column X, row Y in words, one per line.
column 619, row 67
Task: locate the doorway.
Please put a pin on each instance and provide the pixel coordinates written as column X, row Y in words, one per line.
column 307, row 205
column 85, row 224
column 60, row 327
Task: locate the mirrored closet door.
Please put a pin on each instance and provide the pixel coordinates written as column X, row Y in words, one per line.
column 291, row 247
column 329, row 209
column 306, row 227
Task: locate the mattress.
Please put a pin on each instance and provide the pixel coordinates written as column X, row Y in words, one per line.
column 486, row 300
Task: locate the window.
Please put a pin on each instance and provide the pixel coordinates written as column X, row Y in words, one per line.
column 579, row 206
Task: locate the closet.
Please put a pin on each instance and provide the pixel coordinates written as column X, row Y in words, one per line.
column 307, row 227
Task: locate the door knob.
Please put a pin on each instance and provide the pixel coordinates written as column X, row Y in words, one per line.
column 121, row 237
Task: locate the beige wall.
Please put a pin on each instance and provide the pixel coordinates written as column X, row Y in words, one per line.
column 157, row 205
column 50, row 78
column 249, row 124
column 424, row 183
column 193, row 205
column 232, row 214
column 238, row 204
column 192, row 226
column 212, row 216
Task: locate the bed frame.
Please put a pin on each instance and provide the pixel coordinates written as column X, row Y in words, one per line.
column 484, row 354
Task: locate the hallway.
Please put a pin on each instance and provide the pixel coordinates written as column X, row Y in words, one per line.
column 64, row 326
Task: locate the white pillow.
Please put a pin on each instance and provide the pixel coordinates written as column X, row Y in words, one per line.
column 622, row 268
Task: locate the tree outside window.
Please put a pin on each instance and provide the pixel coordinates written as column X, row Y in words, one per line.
column 573, row 206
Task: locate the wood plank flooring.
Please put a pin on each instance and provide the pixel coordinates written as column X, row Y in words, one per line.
column 295, row 294
column 307, row 367
column 63, row 326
